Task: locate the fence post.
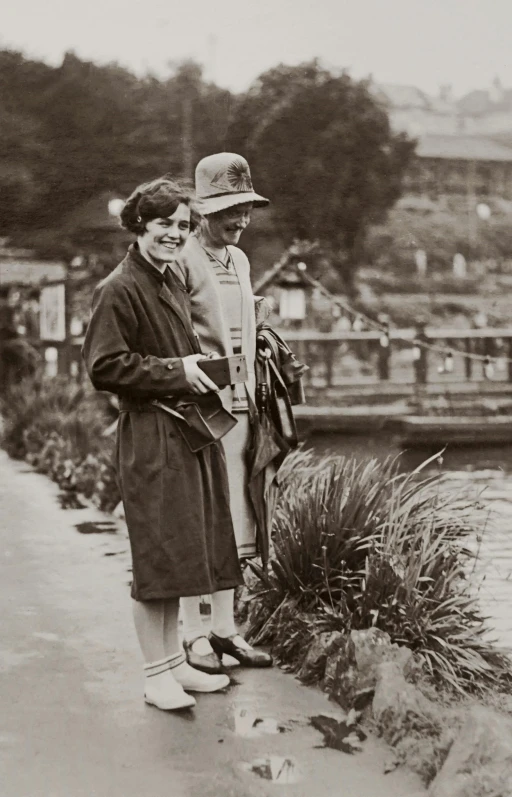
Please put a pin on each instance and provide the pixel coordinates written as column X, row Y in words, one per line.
column 384, row 360
column 329, row 362
column 468, row 362
column 421, row 363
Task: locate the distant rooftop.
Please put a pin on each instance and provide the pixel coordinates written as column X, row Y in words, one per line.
column 402, row 96
column 476, row 103
column 459, row 147
column 21, row 271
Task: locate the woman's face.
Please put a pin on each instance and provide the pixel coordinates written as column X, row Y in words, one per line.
column 164, row 238
column 225, row 227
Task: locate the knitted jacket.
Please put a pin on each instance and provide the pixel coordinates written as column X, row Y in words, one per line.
column 198, row 279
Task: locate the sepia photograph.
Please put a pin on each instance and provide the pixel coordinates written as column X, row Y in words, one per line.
column 256, row 398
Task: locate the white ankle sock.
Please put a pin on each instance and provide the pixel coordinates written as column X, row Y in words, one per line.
column 223, row 617
column 156, row 668
column 162, row 689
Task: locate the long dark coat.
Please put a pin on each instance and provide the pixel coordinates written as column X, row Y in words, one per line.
column 176, row 502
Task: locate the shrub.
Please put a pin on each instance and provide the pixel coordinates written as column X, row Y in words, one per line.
column 358, row 545
column 57, row 425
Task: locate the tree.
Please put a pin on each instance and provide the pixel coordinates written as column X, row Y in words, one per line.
column 321, row 147
column 71, row 133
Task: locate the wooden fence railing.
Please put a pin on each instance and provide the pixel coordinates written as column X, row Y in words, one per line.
column 430, row 356
column 463, row 359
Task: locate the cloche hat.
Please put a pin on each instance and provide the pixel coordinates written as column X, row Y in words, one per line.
column 224, row 180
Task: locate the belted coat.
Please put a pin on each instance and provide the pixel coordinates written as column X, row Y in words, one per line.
column 176, row 502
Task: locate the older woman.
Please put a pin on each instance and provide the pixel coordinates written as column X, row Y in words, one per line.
column 140, row 345
column 215, row 273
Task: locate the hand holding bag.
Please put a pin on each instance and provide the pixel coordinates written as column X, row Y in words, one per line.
column 201, row 420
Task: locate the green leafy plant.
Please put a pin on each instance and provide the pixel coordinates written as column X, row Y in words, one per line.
column 57, row 425
column 361, row 544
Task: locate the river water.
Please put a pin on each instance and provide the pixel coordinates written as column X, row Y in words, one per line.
column 380, row 446
column 489, row 469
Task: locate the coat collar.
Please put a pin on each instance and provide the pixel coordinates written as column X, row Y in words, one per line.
column 136, row 257
column 165, row 293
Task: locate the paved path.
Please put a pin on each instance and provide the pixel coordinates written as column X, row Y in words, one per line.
column 73, row 720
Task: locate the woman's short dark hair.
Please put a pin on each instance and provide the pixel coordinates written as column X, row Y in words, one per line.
column 156, row 200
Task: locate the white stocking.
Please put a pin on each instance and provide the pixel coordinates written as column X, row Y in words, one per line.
column 223, row 613
column 156, row 624
column 191, row 616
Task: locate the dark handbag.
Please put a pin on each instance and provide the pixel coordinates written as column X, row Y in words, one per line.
column 290, row 369
column 201, row 420
column 280, row 406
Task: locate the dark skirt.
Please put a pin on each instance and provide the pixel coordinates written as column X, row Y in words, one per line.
column 177, row 511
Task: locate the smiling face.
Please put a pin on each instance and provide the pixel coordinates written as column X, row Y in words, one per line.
column 164, row 238
column 225, row 227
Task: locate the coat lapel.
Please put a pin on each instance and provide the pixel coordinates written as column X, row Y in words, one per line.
column 165, row 296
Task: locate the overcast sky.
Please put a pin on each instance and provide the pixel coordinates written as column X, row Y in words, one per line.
column 422, row 42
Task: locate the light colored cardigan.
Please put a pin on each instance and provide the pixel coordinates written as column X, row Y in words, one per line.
column 198, row 278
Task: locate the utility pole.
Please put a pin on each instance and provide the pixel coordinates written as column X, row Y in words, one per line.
column 187, row 140
column 471, row 203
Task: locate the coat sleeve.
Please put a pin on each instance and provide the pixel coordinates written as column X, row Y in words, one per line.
column 109, row 351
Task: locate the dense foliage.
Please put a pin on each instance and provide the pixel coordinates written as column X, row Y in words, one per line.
column 323, row 149
column 58, row 427
column 71, row 132
column 318, row 143
column 359, row 545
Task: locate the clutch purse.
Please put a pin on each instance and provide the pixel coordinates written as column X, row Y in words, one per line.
column 201, row 420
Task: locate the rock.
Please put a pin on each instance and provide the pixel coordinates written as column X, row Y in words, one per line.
column 394, row 696
column 313, row 666
column 480, row 760
column 419, row 730
column 352, row 665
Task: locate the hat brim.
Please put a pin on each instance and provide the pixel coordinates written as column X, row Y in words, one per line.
column 213, row 204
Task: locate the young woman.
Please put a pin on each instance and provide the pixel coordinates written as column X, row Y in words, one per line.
column 140, row 345
column 215, row 273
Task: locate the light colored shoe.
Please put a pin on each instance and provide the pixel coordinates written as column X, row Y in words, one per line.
column 193, row 680
column 166, row 693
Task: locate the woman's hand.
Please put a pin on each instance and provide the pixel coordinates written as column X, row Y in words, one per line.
column 197, row 379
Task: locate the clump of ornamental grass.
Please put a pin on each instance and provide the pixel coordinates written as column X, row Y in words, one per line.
column 359, row 545
column 36, row 406
column 58, row 426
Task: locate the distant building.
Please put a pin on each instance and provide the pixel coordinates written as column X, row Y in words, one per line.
column 297, row 301
column 415, row 112
column 458, row 151
column 484, row 112
column 463, row 165
column 22, row 267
